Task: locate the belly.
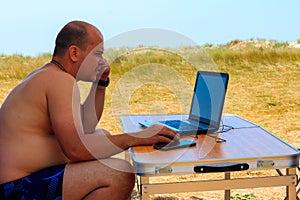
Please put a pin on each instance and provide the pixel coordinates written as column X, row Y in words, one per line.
column 21, row 156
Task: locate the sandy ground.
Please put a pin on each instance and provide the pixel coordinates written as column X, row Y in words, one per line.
column 269, row 193
column 276, row 193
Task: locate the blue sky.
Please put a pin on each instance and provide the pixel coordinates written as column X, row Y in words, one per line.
column 30, row 27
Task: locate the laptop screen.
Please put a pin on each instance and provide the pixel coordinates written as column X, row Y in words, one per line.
column 208, row 98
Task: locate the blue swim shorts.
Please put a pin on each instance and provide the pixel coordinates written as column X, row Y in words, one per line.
column 45, row 184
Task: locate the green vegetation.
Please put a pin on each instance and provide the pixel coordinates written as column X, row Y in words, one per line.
column 234, row 42
column 243, row 196
column 14, row 68
column 263, row 88
column 18, row 66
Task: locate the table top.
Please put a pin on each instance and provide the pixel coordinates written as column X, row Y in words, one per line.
column 245, row 142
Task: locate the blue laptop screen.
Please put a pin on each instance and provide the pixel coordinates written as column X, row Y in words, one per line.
column 208, row 98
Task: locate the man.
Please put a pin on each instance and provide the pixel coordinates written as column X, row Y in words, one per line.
column 49, row 147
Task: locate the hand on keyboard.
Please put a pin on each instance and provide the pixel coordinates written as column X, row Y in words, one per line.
column 154, row 134
column 160, row 145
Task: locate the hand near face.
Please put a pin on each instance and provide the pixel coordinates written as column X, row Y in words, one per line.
column 104, row 70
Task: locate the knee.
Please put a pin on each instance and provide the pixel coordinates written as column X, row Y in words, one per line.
column 124, row 173
column 128, row 178
column 125, row 166
column 126, row 169
column 118, row 165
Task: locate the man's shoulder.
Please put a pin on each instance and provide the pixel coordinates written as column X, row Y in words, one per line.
column 55, row 75
column 50, row 78
column 56, row 83
column 45, row 82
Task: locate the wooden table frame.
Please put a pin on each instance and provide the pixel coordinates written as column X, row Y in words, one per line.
column 145, row 188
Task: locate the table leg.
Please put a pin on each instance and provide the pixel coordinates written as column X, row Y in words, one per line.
column 291, row 189
column 227, row 192
column 127, row 156
column 298, row 186
column 143, row 195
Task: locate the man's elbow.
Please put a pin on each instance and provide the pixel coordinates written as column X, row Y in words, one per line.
column 76, row 155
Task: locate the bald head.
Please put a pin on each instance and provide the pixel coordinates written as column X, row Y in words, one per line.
column 76, row 33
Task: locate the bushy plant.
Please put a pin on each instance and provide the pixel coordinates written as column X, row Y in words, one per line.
column 233, row 42
column 243, row 196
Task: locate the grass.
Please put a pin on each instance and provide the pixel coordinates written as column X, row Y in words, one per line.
column 14, row 68
column 263, row 88
column 243, row 196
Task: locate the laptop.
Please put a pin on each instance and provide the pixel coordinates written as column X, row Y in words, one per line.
column 206, row 107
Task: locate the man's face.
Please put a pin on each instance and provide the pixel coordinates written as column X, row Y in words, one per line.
column 93, row 64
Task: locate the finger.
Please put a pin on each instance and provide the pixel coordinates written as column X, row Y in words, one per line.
column 162, row 138
column 164, row 131
column 170, row 133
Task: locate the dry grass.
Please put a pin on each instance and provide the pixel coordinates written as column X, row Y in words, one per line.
column 263, row 88
column 265, row 92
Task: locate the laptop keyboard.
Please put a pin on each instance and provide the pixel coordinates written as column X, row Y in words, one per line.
column 178, row 124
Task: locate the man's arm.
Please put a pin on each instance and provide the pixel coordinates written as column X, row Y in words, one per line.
column 65, row 116
column 102, row 145
column 92, row 108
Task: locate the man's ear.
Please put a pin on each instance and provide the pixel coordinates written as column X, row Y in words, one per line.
column 74, row 53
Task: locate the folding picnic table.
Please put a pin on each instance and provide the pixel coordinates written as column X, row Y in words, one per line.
column 241, row 146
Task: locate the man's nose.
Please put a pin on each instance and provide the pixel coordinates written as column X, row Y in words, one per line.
column 102, row 61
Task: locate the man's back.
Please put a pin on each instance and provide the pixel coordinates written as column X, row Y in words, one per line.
column 27, row 142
